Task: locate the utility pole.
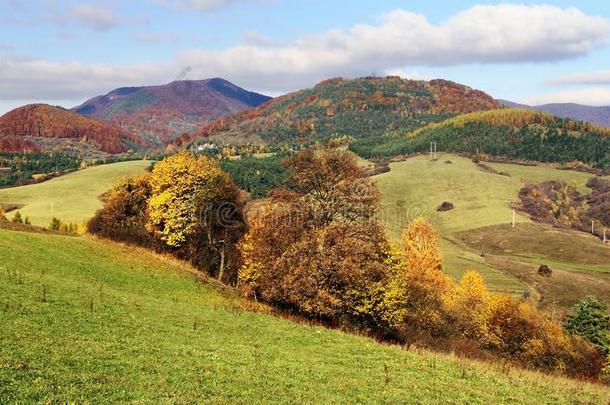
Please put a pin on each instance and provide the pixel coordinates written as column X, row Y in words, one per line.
column 605, row 240
column 592, row 228
column 434, row 150
column 514, row 218
column 430, row 150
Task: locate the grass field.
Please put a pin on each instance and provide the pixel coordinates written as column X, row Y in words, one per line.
column 482, row 201
column 73, row 197
column 92, row 321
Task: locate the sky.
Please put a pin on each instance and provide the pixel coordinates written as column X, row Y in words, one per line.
column 64, row 52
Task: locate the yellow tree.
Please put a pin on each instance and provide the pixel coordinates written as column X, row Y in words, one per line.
column 469, row 303
column 413, row 300
column 195, row 207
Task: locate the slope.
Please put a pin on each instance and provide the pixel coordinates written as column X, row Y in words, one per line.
column 73, row 197
column 479, row 226
column 508, row 133
column 336, row 107
column 160, row 113
column 49, row 128
column 90, row 321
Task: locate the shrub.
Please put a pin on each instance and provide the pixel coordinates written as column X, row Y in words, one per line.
column 545, row 270
column 590, row 319
column 27, row 220
column 125, row 213
column 2, row 215
column 55, row 224
column 17, row 218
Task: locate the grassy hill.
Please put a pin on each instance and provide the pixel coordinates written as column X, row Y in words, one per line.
column 73, row 197
column 91, row 321
column 482, row 212
column 509, row 133
column 44, row 127
column 361, row 107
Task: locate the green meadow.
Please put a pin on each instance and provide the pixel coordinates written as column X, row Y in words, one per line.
column 73, row 197
column 482, row 199
column 90, row 321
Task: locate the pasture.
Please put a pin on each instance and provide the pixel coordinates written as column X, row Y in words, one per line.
column 73, row 197
column 90, row 321
column 482, row 201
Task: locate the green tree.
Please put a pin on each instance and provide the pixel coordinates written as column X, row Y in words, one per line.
column 591, row 320
column 17, row 218
column 55, row 224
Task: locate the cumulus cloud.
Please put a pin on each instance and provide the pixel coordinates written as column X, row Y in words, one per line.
column 597, row 77
column 481, row 34
column 595, row 96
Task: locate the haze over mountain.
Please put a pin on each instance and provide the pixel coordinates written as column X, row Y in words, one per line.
column 335, row 107
column 161, row 113
column 596, row 115
column 44, row 127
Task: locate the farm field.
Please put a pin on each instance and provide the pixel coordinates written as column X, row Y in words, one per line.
column 482, row 202
column 86, row 320
column 71, row 198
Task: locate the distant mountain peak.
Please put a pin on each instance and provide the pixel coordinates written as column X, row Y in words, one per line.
column 163, row 112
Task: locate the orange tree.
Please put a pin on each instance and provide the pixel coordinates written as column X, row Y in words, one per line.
column 317, row 247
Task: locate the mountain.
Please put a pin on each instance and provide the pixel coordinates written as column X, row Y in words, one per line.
column 354, row 107
column 44, row 127
column 161, row 113
column 596, row 115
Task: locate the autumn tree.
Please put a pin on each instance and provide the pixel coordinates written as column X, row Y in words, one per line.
column 125, row 213
column 317, row 247
column 469, row 306
column 195, row 208
column 413, row 300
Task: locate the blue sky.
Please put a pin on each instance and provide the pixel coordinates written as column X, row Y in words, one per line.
column 64, row 52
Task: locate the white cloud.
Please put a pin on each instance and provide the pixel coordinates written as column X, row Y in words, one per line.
column 199, row 5
column 595, row 96
column 481, row 34
column 97, row 17
column 597, row 77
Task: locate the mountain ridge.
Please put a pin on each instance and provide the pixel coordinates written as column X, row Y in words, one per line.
column 162, row 112
column 597, row 115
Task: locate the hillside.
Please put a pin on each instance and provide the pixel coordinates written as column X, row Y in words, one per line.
column 44, row 127
column 477, row 233
column 508, row 133
column 596, row 115
column 160, row 113
column 358, row 108
column 73, row 197
column 91, row 321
